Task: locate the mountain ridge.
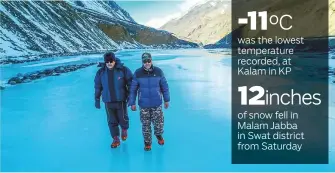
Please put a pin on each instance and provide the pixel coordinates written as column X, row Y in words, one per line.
column 210, row 23
column 201, row 23
column 53, row 27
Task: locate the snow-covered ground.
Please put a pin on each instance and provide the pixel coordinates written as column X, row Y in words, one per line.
column 52, row 125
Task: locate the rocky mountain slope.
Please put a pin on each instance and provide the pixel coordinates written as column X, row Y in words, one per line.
column 205, row 23
column 49, row 27
column 210, row 23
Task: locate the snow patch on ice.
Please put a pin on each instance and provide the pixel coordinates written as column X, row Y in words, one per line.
column 55, row 62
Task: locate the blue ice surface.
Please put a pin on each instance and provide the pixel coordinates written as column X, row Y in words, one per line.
column 51, row 124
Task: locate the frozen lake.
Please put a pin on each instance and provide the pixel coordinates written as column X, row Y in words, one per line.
column 51, row 124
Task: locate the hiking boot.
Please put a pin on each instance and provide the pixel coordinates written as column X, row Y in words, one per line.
column 124, row 134
column 160, row 139
column 147, row 146
column 116, row 142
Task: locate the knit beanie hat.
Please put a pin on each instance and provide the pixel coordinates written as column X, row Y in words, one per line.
column 109, row 57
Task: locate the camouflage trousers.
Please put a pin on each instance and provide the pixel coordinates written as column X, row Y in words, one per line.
column 154, row 116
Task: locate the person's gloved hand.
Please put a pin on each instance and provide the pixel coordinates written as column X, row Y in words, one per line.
column 97, row 104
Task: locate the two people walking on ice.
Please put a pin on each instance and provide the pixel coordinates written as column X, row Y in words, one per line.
column 119, row 88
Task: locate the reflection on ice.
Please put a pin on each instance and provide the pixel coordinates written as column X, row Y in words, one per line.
column 52, row 124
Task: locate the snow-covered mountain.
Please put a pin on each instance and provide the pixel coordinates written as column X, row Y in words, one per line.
column 205, row 23
column 209, row 22
column 48, row 27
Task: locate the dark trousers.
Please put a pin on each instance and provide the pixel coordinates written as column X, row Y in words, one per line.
column 117, row 114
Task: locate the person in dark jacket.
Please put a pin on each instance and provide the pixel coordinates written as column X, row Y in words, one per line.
column 112, row 82
column 151, row 86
